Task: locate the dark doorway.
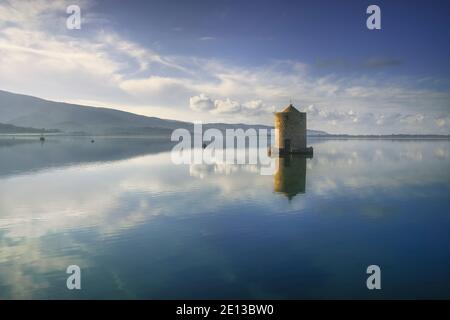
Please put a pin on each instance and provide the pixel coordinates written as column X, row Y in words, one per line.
column 287, row 145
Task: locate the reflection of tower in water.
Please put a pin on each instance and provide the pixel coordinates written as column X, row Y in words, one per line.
column 290, row 177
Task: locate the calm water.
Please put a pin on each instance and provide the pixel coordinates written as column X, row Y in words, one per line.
column 142, row 227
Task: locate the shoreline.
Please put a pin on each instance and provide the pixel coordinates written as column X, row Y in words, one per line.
column 322, row 137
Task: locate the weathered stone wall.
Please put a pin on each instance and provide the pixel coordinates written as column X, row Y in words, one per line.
column 292, row 126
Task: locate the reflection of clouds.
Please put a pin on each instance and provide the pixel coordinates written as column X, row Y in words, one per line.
column 232, row 181
column 379, row 155
column 50, row 201
column 323, row 185
column 441, row 153
column 89, row 196
column 108, row 199
column 375, row 165
column 366, row 165
column 37, row 207
column 203, row 170
column 27, row 257
column 117, row 195
column 414, row 155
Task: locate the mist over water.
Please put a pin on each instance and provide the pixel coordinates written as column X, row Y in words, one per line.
column 140, row 226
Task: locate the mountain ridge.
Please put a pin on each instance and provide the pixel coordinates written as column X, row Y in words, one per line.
column 31, row 112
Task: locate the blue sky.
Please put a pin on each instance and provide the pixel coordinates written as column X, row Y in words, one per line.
column 315, row 32
column 238, row 61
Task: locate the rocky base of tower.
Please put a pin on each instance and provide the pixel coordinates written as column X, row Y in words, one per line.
column 277, row 151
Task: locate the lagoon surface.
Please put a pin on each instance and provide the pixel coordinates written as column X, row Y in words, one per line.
column 141, row 227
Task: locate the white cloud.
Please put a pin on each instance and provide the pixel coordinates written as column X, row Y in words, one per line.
column 226, row 106
column 254, row 105
column 367, row 119
column 201, row 103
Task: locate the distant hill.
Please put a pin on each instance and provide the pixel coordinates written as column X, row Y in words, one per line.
column 9, row 128
column 26, row 111
column 30, row 112
column 317, row 133
column 387, row 136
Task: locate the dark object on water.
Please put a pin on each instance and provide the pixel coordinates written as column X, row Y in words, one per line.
column 92, row 141
column 42, row 138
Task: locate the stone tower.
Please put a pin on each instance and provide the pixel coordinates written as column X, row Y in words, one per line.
column 291, row 137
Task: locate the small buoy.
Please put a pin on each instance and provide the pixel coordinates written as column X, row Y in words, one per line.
column 92, row 141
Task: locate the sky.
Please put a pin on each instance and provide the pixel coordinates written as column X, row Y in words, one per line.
column 238, row 61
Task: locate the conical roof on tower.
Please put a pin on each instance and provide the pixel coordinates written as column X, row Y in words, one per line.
column 289, row 108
